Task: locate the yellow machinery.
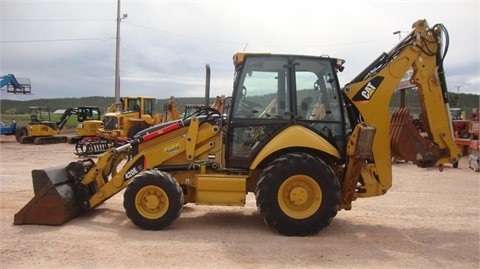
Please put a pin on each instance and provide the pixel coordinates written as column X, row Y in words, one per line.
column 290, row 134
column 88, row 121
column 122, row 121
column 40, row 129
column 136, row 114
column 170, row 111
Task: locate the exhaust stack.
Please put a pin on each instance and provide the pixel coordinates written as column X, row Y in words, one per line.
column 207, row 86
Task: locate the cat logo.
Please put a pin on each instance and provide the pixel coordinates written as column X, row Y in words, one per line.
column 368, row 90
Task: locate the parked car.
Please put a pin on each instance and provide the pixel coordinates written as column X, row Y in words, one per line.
column 8, row 129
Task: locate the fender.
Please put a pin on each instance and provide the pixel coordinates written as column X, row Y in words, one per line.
column 289, row 138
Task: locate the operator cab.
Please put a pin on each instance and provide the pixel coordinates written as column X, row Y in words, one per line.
column 273, row 92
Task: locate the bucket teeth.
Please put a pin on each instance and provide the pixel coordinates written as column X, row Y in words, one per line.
column 55, row 201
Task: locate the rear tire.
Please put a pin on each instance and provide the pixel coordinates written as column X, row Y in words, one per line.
column 298, row 194
column 153, row 200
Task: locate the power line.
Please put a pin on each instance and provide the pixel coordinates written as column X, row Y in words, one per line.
column 180, row 35
column 360, row 42
column 58, row 40
column 54, row 20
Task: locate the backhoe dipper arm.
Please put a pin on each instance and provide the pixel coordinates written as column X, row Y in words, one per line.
column 65, row 116
column 368, row 98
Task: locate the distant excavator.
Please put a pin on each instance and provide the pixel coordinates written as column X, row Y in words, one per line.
column 41, row 130
column 88, row 121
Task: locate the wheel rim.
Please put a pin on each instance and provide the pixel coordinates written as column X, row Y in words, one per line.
column 299, row 196
column 152, row 202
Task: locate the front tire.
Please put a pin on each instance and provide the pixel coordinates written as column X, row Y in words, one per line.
column 298, row 194
column 153, row 200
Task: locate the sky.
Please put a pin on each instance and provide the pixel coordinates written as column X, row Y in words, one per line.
column 67, row 47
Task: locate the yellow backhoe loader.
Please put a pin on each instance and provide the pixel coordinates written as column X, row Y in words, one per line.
column 290, row 134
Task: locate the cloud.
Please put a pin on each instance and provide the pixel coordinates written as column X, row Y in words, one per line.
column 67, row 48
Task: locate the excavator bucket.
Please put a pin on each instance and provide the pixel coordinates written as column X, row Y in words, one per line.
column 407, row 142
column 55, row 201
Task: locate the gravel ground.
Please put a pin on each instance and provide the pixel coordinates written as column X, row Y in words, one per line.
column 428, row 219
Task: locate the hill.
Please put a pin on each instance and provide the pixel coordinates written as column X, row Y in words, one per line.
column 22, row 107
column 465, row 101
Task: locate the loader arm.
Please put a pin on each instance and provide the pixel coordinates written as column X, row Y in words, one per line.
column 369, row 95
column 104, row 179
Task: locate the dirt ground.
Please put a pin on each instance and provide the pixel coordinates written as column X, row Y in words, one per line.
column 428, row 219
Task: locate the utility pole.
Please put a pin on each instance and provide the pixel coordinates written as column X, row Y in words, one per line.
column 458, row 94
column 117, row 54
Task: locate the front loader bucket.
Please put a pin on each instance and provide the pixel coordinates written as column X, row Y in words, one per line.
column 407, row 143
column 55, row 201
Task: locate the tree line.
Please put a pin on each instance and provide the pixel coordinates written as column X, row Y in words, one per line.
column 23, row 107
column 465, row 101
column 14, row 107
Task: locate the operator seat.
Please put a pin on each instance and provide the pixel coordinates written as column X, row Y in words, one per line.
column 304, row 106
column 319, row 112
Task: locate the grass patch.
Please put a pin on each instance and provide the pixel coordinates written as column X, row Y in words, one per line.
column 25, row 119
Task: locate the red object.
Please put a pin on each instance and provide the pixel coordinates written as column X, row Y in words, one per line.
column 164, row 130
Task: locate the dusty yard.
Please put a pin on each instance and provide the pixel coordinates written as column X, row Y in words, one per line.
column 429, row 219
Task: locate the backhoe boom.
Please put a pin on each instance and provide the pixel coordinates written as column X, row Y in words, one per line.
column 370, row 94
